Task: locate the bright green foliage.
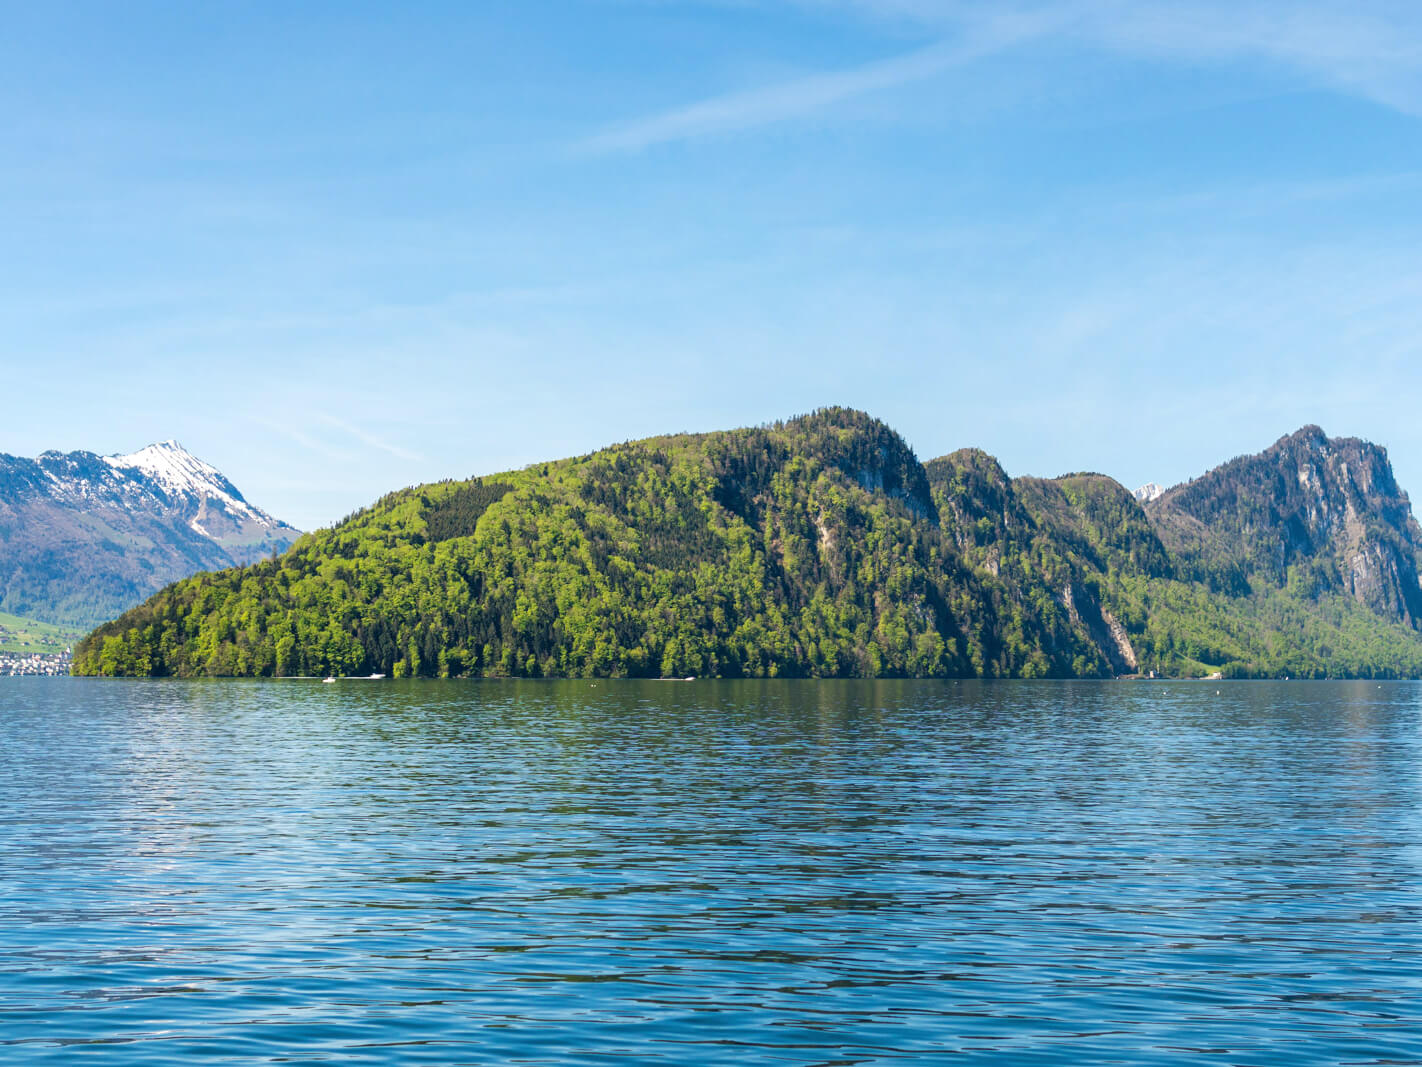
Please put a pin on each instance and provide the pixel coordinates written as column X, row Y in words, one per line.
column 809, row 548
column 1266, row 634
column 820, row 547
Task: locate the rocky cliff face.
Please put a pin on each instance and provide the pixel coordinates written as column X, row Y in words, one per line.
column 1319, row 512
column 84, row 536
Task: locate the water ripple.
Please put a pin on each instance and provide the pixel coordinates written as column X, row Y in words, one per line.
column 806, row 873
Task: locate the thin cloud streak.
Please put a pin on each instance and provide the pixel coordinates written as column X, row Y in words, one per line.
column 818, row 92
column 1368, row 48
column 305, row 441
column 370, row 439
column 1373, row 51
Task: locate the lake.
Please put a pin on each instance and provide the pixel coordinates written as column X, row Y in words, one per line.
column 710, row 872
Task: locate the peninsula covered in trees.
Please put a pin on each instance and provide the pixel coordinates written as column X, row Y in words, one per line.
column 820, row 547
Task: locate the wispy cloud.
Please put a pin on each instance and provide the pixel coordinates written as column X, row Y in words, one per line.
column 369, row 439
column 1371, row 48
column 817, row 92
column 304, row 440
column 1367, row 48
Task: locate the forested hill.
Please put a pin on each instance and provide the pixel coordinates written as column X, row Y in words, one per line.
column 815, row 547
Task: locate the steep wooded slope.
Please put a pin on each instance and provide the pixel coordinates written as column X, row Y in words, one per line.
column 1086, row 541
column 817, row 547
column 812, row 547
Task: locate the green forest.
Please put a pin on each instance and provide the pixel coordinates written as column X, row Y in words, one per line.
column 817, row 547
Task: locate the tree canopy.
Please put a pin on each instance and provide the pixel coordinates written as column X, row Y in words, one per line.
column 817, row 547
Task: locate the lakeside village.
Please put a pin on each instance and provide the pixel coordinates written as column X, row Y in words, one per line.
column 14, row 664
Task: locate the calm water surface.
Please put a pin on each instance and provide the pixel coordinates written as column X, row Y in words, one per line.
column 807, row 873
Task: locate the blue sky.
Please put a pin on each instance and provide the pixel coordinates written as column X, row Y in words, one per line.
column 338, row 248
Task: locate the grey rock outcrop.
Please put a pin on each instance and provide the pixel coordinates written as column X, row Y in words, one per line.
column 1323, row 512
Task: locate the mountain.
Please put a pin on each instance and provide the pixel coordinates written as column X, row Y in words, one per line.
column 1148, row 492
column 83, row 536
column 1318, row 512
column 819, row 547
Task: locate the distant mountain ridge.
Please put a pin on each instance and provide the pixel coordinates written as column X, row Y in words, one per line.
column 84, row 536
column 822, row 547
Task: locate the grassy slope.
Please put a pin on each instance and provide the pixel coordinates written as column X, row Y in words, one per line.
column 25, row 636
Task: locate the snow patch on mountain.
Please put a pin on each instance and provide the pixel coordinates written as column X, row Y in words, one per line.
column 1148, row 492
column 180, row 473
column 84, row 536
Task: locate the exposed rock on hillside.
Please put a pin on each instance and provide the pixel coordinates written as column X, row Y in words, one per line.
column 1322, row 513
column 821, row 547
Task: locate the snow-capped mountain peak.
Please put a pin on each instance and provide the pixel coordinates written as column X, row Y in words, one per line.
column 1148, row 492
column 179, row 473
column 94, row 534
column 176, row 469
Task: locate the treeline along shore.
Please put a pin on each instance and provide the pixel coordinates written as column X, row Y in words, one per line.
column 820, row 547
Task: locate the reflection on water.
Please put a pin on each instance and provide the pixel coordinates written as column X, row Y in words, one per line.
column 710, row 872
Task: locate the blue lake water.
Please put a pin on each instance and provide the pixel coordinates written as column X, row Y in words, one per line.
column 797, row 872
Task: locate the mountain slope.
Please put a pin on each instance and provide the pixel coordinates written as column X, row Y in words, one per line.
column 1085, row 541
column 806, row 548
column 84, row 536
column 1322, row 514
column 1044, row 548
column 816, row 547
